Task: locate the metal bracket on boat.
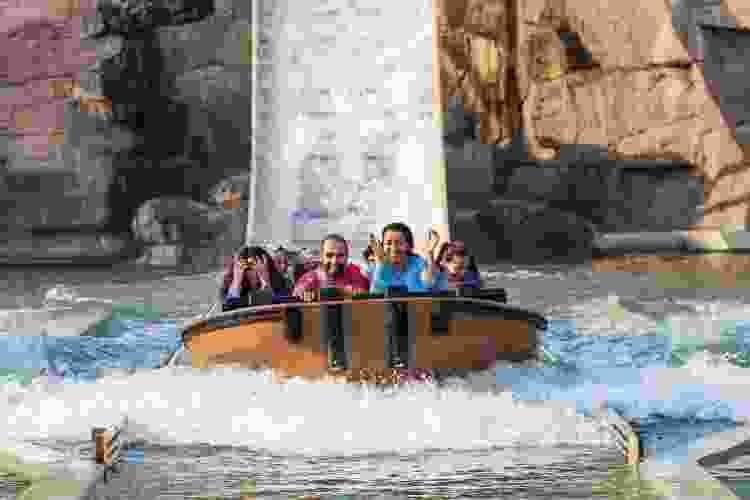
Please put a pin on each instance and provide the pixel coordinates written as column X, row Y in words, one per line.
column 108, row 445
column 624, row 433
column 294, row 324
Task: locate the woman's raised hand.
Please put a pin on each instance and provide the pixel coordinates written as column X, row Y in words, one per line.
column 238, row 269
column 434, row 240
column 377, row 248
column 427, row 248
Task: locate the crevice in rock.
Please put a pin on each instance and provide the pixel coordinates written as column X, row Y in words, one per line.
column 577, row 56
column 636, row 133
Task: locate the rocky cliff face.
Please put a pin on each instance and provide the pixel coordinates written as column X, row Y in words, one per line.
column 109, row 104
column 56, row 138
column 629, row 114
column 633, row 113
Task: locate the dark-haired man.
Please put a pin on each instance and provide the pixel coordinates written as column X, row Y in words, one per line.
column 334, row 271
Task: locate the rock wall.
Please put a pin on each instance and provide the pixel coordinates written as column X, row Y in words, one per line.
column 630, row 113
column 56, row 139
column 106, row 105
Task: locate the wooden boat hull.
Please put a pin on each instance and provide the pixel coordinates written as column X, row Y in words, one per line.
column 439, row 333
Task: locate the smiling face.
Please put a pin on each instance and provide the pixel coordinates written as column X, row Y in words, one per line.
column 395, row 246
column 333, row 256
column 248, row 263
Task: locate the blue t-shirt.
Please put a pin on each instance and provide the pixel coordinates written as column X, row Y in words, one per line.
column 387, row 275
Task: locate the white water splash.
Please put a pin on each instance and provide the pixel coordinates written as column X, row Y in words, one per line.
column 240, row 408
column 61, row 295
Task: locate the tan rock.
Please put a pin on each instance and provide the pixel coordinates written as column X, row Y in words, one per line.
column 531, row 11
column 726, row 197
column 475, row 61
column 678, row 141
column 485, row 17
column 626, row 34
column 739, row 10
column 718, row 152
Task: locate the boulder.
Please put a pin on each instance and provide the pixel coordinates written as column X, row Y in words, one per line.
column 178, row 219
column 526, row 232
column 179, row 231
column 230, row 192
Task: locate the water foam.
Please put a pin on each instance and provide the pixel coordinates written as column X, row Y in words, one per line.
column 61, row 295
column 241, row 408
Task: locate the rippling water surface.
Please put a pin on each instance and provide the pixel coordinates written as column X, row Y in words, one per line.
column 670, row 355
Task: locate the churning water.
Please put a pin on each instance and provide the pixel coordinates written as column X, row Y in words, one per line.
column 673, row 359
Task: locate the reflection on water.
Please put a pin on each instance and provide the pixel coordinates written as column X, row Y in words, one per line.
column 718, row 270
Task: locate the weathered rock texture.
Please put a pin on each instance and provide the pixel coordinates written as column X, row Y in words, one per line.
column 107, row 105
column 632, row 114
column 175, row 230
column 525, row 232
column 56, row 139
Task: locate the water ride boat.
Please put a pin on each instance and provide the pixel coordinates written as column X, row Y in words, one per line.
column 463, row 330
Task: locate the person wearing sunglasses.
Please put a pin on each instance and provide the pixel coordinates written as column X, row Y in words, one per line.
column 333, row 271
column 251, row 271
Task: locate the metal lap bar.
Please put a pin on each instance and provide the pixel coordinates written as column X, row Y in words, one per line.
column 336, row 320
column 295, row 325
column 396, row 322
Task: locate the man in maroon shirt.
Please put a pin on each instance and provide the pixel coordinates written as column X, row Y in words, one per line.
column 334, row 271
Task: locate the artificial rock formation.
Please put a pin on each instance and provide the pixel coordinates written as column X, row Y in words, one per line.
column 525, row 232
column 57, row 140
column 176, row 230
column 106, row 105
column 644, row 86
column 629, row 114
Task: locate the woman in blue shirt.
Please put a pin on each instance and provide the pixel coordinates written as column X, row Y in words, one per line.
column 396, row 264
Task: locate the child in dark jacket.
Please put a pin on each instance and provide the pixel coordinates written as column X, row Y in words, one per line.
column 456, row 268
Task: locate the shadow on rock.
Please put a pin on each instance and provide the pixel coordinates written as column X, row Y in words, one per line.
column 526, row 232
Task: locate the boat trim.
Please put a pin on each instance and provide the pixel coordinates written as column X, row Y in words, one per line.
column 266, row 312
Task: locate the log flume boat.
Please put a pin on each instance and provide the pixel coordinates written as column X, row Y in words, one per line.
column 432, row 334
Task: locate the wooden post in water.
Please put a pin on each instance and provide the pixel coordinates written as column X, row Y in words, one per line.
column 625, row 436
column 107, row 445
